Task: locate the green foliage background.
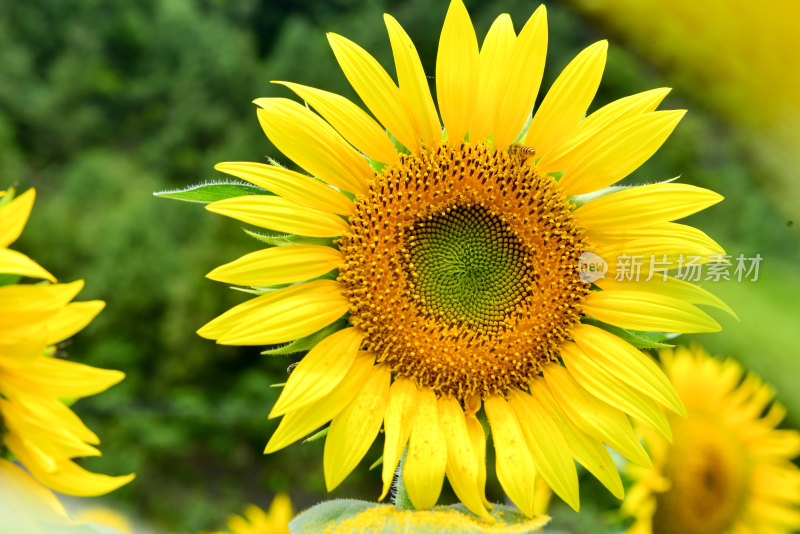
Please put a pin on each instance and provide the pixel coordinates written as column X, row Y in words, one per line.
column 104, row 102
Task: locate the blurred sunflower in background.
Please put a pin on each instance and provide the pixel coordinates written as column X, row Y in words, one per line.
column 257, row 521
column 433, row 272
column 37, row 428
column 729, row 469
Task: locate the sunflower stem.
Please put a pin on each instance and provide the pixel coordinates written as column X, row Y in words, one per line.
column 401, row 499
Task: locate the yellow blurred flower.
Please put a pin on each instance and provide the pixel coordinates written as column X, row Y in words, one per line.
column 35, row 424
column 107, row 517
column 457, row 283
column 256, row 521
column 728, row 470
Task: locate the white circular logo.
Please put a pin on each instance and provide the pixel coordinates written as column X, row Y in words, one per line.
column 591, row 267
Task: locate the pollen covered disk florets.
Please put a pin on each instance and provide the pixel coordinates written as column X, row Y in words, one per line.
column 462, row 269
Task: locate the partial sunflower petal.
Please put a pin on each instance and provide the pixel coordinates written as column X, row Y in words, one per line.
column 354, row 429
column 62, row 378
column 281, row 215
column 477, row 438
column 292, row 186
column 13, row 262
column 289, row 314
column 313, row 144
column 514, row 467
column 639, row 310
column 457, row 64
column 19, row 297
column 548, row 447
column 606, row 159
column 350, row 121
column 589, row 452
column 279, row 265
column 628, row 364
column 320, row 371
column 462, row 469
column 13, row 217
column 397, row 422
column 413, row 82
column 566, row 102
column 71, row 319
column 521, row 86
column 494, row 66
column 644, row 205
column 299, row 423
column 377, row 90
column 426, row 459
column 596, row 418
column 603, row 385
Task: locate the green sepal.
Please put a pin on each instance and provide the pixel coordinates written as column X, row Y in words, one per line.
column 9, row 279
column 376, row 463
column 524, row 132
column 343, row 516
column 307, row 343
column 637, row 338
column 8, row 197
column 319, row 435
column 401, row 149
column 377, row 166
column 213, row 191
column 277, row 239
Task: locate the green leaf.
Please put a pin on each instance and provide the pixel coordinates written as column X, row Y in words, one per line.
column 639, row 339
column 278, row 239
column 307, row 343
column 345, row 516
column 213, row 191
column 9, row 279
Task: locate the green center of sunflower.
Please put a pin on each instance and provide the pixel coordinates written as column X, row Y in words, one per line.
column 461, row 266
column 467, row 266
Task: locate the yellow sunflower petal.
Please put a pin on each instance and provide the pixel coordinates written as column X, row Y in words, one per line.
column 62, row 378
column 279, row 265
column 320, row 371
column 494, row 66
column 521, row 86
column 413, row 82
column 290, row 314
column 377, row 90
column 40, row 437
column 603, row 385
column 462, row 469
column 72, row 479
column 13, row 262
column 606, row 159
column 514, row 467
column 639, row 310
column 358, row 128
column 38, row 297
column 16, row 352
column 299, row 423
column 313, row 144
column 477, row 438
column 397, row 422
column 671, row 287
column 548, row 447
column 281, row 215
column 457, row 64
column 426, row 459
column 568, row 99
column 644, row 205
column 596, row 418
column 21, row 492
column 354, row 429
column 628, row 364
column 13, row 217
column 71, row 319
column 589, row 452
column 293, row 186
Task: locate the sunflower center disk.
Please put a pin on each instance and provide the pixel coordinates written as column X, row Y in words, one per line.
column 467, row 266
column 462, row 269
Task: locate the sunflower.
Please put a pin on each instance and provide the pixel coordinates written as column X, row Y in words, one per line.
column 435, row 273
column 257, row 521
column 36, row 426
column 728, row 469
